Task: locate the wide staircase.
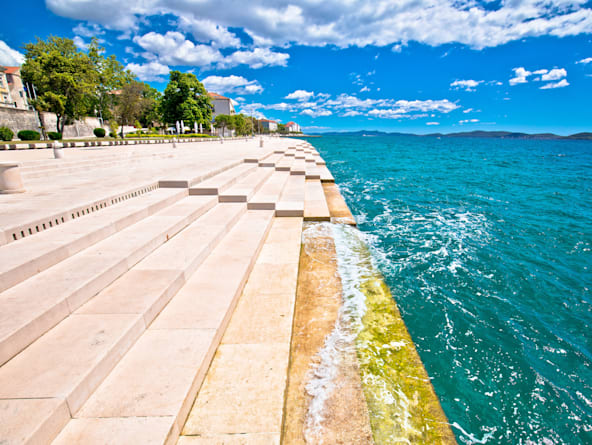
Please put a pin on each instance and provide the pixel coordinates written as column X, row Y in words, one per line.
column 111, row 312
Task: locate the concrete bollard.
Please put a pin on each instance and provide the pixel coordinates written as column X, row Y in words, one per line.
column 10, row 178
column 174, row 144
column 221, row 140
column 58, row 153
column 260, row 142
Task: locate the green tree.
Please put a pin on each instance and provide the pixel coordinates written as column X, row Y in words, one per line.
column 239, row 123
column 130, row 104
column 150, row 113
column 112, row 76
column 185, row 99
column 281, row 128
column 223, row 121
column 64, row 77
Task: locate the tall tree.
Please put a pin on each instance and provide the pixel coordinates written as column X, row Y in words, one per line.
column 131, row 103
column 150, row 113
column 112, row 76
column 64, row 77
column 186, row 99
column 239, row 123
column 223, row 121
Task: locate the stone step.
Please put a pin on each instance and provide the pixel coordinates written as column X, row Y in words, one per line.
column 285, row 164
column 70, row 361
column 299, row 167
column 315, row 204
column 243, row 392
column 271, row 161
column 245, row 188
column 270, row 192
column 158, row 378
column 33, row 254
column 312, row 171
column 220, row 182
column 291, row 202
column 326, row 175
column 30, row 308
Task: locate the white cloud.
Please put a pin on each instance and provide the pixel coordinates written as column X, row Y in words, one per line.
column 9, row 56
column 80, row 43
column 468, row 121
column 88, row 30
column 301, row 95
column 468, row 110
column 232, row 84
column 351, row 113
column 256, row 58
column 561, row 84
column 210, row 32
column 467, row 85
column 554, row 74
column 521, row 75
column 316, row 112
column 432, row 123
column 149, row 72
column 585, row 61
column 174, row 49
column 364, row 89
column 542, row 75
column 351, row 23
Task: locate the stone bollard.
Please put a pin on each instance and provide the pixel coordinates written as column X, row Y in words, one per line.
column 174, row 143
column 260, row 142
column 221, row 140
column 58, row 153
column 10, row 178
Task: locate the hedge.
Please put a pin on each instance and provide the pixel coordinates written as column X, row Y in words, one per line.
column 28, row 135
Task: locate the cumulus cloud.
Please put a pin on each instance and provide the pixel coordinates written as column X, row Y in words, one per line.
column 301, row 95
column 149, row 72
column 520, row 76
column 554, row 74
column 432, row 123
column 468, row 121
column 232, row 84
column 359, row 23
column 89, row 30
column 585, row 61
column 561, row 84
column 316, row 112
column 80, row 43
column 541, row 75
column 210, row 32
column 467, row 85
column 255, row 58
column 9, row 56
column 173, row 48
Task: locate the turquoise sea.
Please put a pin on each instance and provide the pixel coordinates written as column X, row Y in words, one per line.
column 486, row 245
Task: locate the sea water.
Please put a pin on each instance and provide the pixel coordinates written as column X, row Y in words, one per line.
column 486, row 246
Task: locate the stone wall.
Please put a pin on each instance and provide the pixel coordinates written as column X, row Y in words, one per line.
column 17, row 120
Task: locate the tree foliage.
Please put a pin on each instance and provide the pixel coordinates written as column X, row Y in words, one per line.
column 185, row 99
column 65, row 78
column 224, row 121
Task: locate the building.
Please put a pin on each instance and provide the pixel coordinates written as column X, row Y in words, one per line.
column 293, row 127
column 268, row 125
column 12, row 91
column 222, row 105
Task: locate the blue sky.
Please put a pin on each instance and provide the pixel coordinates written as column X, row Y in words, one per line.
column 394, row 65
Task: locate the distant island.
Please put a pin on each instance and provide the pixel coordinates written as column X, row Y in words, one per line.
column 467, row 134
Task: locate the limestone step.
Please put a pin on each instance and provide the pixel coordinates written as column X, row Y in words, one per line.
column 158, row 378
column 72, row 359
column 326, row 175
column 299, row 167
column 30, row 308
column 271, row 161
column 312, row 171
column 242, row 396
column 269, row 194
column 315, row 204
column 33, row 254
column 246, row 187
column 291, row 202
column 285, row 164
column 220, row 182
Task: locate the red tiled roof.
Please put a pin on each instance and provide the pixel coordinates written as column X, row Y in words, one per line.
column 290, row 123
column 267, row 120
column 12, row 69
column 217, row 96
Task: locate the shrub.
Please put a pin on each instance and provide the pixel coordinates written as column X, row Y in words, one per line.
column 6, row 134
column 28, row 135
column 54, row 135
column 113, row 135
column 99, row 132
